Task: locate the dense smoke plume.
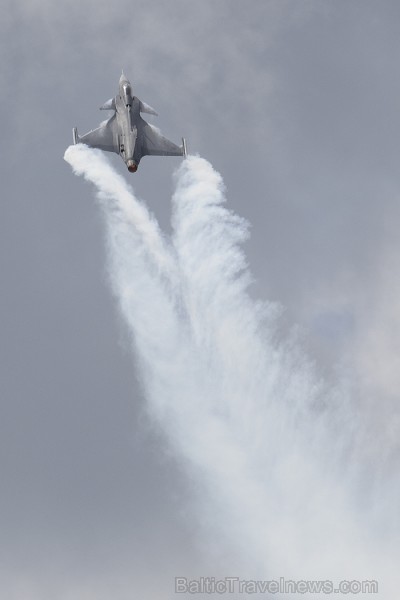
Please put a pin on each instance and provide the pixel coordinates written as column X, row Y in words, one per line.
column 277, row 453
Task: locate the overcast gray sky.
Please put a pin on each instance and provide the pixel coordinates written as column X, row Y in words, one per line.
column 296, row 104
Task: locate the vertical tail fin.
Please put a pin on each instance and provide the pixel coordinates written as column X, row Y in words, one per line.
column 184, row 149
column 75, row 135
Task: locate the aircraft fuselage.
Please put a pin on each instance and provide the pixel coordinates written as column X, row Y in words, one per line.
column 127, row 114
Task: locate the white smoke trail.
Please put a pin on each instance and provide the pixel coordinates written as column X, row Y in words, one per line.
column 116, row 197
column 270, row 444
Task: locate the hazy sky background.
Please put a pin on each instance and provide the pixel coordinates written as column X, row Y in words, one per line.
column 296, row 103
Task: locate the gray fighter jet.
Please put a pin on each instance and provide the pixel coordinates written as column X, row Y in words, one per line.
column 126, row 133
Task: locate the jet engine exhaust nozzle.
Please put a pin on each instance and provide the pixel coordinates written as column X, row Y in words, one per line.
column 132, row 166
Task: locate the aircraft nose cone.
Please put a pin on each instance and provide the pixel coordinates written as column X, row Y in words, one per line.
column 122, row 78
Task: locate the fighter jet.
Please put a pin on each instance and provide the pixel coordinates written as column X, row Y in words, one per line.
column 126, row 133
